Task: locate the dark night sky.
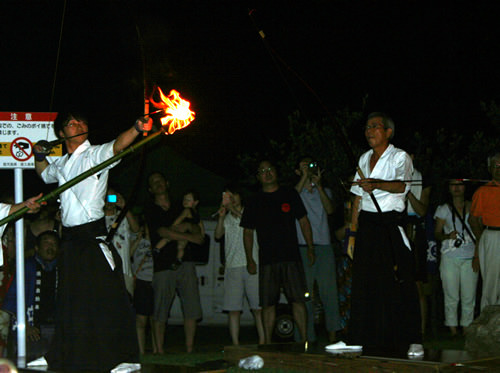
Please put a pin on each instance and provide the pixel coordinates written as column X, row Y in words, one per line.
column 427, row 64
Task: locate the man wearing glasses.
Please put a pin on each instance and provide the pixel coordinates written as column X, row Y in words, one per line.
column 95, row 324
column 272, row 213
column 385, row 313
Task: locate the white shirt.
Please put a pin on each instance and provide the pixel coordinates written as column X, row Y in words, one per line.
column 83, row 202
column 394, row 164
column 466, row 249
column 416, row 189
column 4, row 212
column 233, row 243
column 143, row 256
column 121, row 241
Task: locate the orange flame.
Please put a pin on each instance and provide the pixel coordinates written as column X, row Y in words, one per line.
column 176, row 109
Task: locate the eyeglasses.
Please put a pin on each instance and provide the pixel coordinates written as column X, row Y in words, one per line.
column 72, row 123
column 374, row 126
column 69, row 124
column 265, row 170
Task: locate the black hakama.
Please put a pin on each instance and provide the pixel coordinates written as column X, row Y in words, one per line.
column 95, row 323
column 385, row 313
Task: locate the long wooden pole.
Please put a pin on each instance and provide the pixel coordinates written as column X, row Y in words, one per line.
column 84, row 175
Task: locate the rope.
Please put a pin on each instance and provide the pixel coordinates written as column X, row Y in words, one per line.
column 57, row 57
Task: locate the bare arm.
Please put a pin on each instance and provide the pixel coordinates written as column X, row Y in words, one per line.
column 194, row 237
column 439, row 233
column 132, row 222
column 355, row 212
column 40, row 166
column 184, row 214
column 126, row 138
column 325, row 201
column 420, row 205
column 248, row 244
column 476, row 223
column 219, row 228
column 135, row 244
column 369, row 185
column 30, row 203
column 305, row 227
column 303, row 177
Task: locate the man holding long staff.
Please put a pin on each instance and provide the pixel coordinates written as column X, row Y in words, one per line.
column 385, row 313
column 95, row 326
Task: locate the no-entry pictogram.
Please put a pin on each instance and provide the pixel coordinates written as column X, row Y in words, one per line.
column 21, row 149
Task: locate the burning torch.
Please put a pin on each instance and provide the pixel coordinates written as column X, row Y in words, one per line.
column 177, row 116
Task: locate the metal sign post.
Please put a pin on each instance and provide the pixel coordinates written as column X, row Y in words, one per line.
column 18, row 133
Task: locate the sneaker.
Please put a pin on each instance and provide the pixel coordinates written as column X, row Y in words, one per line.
column 127, row 368
column 416, row 350
column 40, row 362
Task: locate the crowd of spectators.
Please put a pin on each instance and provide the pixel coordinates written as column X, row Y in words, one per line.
column 365, row 259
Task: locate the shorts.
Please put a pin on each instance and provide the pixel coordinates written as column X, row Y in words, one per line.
column 143, row 297
column 287, row 275
column 185, row 282
column 238, row 283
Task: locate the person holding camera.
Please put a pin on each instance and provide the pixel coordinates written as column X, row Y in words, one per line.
column 318, row 204
column 124, row 234
column 457, row 252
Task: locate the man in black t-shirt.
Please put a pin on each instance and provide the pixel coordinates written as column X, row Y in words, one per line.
column 160, row 215
column 272, row 213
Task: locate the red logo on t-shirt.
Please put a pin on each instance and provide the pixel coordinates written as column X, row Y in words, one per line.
column 285, row 207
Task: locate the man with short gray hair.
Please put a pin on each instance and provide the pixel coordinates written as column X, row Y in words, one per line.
column 385, row 314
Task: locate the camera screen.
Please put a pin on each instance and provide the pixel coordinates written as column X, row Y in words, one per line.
column 112, row 198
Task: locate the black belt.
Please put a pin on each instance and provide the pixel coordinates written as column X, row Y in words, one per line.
column 492, row 228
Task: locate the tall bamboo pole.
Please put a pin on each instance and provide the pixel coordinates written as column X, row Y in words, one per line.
column 84, row 175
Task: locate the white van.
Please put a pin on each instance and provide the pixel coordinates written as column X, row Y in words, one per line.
column 211, row 284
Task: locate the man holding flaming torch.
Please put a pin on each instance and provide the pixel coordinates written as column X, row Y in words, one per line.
column 95, row 325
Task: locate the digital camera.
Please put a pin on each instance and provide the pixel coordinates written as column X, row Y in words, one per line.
column 111, row 198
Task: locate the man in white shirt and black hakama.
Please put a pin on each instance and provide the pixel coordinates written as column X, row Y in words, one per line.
column 95, row 322
column 385, row 313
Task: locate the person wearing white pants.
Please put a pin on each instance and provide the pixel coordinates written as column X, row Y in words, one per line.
column 459, row 285
column 457, row 252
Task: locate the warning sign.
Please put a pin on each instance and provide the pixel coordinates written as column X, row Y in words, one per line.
column 21, row 149
column 19, row 132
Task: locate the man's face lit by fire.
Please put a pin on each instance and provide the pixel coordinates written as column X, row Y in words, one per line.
column 72, row 128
